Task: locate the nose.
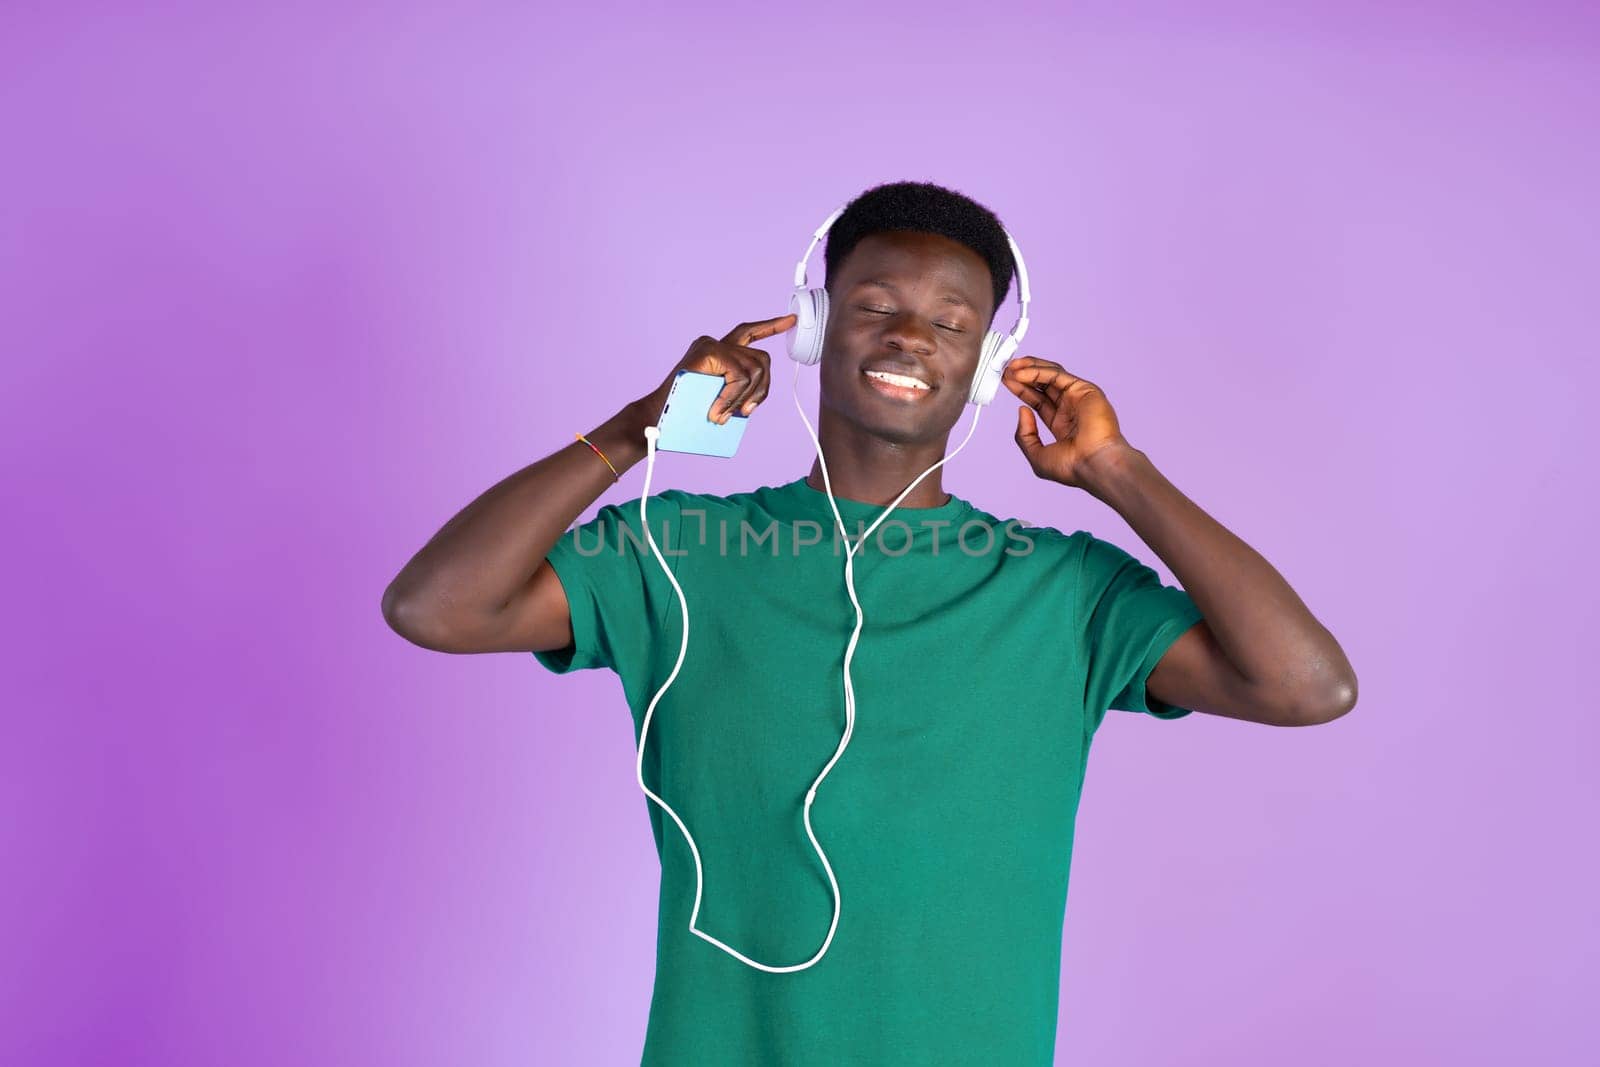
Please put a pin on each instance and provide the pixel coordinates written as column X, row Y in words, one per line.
column 904, row 331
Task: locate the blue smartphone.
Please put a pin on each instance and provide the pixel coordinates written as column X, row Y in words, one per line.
column 683, row 423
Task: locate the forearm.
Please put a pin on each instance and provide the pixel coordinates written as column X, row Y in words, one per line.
column 486, row 553
column 1267, row 632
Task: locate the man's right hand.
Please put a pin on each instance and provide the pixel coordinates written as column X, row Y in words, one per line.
column 748, row 371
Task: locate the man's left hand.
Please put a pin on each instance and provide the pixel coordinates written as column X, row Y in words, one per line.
column 1077, row 413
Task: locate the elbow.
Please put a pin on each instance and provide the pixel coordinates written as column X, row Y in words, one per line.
column 1333, row 703
column 395, row 610
column 418, row 619
column 403, row 614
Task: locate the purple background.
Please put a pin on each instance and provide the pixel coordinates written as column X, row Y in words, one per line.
column 279, row 293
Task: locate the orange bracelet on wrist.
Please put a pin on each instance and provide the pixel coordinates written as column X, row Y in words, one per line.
column 614, row 475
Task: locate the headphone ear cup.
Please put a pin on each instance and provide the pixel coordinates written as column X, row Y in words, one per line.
column 996, row 353
column 810, row 309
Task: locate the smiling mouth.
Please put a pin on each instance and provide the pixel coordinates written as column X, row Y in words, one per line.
column 897, row 386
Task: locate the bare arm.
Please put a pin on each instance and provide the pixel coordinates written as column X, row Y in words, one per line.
column 1259, row 654
column 482, row 583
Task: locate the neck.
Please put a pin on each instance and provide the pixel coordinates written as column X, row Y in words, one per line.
column 872, row 470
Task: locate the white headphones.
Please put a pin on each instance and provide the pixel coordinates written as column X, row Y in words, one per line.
column 805, row 346
column 810, row 306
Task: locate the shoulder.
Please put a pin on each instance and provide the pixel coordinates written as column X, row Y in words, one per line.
column 674, row 506
column 1076, row 552
column 675, row 500
column 1043, row 543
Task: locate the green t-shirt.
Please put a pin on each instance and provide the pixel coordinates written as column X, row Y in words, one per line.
column 989, row 655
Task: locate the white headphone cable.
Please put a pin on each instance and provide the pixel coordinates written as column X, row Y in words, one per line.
column 651, row 433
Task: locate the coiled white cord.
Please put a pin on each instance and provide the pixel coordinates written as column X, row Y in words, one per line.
column 651, row 433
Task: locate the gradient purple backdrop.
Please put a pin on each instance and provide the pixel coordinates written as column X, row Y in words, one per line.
column 279, row 293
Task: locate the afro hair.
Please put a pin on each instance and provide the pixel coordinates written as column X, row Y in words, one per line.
column 927, row 208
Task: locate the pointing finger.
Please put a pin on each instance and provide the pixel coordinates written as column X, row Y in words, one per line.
column 746, row 332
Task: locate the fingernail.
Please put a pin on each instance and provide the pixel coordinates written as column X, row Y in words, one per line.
column 749, row 406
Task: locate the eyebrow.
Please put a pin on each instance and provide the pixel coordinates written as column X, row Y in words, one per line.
column 949, row 296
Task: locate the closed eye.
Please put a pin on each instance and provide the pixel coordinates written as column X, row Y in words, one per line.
column 886, row 311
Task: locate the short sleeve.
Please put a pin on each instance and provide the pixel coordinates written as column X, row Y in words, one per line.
column 617, row 592
column 1127, row 620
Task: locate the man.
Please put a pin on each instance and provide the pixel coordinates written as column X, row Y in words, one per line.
column 989, row 655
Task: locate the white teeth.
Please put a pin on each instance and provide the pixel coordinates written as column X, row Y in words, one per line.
column 897, row 379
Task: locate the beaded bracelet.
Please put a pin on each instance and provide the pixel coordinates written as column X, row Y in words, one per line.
column 614, row 475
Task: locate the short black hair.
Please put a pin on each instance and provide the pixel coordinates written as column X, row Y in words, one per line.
column 927, row 208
